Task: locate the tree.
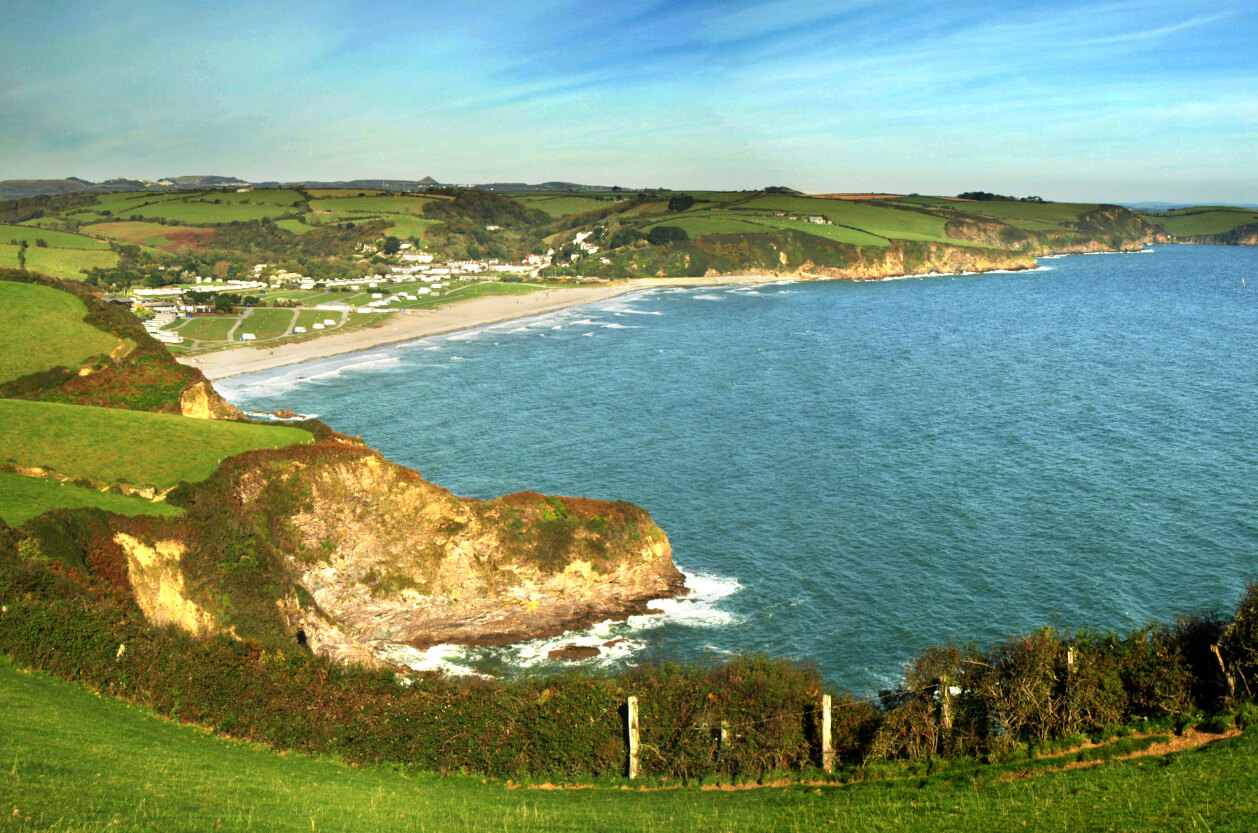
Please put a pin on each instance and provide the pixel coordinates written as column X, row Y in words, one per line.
column 391, row 245
column 681, row 202
column 662, row 235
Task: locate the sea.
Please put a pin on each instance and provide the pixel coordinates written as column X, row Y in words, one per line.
column 851, row 472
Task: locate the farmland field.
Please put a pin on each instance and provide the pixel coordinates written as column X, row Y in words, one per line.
column 1188, row 222
column 206, row 212
column 55, row 239
column 335, row 193
column 152, row 234
column 59, row 263
column 262, row 196
column 1031, row 215
column 370, row 205
column 697, row 225
column 42, row 327
column 22, row 498
column 561, row 205
column 295, row 226
column 127, row 446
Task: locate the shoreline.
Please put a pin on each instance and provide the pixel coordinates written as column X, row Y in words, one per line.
column 406, row 325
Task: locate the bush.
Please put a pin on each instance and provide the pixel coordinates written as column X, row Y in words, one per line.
column 663, row 235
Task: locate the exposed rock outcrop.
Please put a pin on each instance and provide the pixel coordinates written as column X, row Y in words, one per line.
column 200, row 401
column 381, row 555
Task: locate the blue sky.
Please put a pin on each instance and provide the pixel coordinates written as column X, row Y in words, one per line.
column 1129, row 100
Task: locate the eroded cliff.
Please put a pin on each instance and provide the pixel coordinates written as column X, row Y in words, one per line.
column 357, row 551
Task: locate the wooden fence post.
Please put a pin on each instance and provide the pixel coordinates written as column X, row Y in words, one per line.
column 827, row 745
column 1070, row 659
column 631, row 707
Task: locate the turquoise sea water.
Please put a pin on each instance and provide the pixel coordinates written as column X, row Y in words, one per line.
column 854, row 471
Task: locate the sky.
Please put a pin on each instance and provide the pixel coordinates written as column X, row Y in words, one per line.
column 1092, row 101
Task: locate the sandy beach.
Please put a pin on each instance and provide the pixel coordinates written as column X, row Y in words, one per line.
column 403, row 326
column 408, row 325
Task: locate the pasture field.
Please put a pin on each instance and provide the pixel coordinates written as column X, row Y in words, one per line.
column 839, row 234
column 1187, row 222
column 295, row 226
column 404, row 225
column 154, row 235
column 883, row 221
column 646, row 209
column 42, row 327
column 56, row 239
column 1028, row 215
column 137, row 447
column 195, row 212
column 22, row 498
column 265, row 323
column 262, row 196
column 561, row 205
column 697, row 225
column 58, row 263
column 75, row 761
column 334, row 193
column 373, row 205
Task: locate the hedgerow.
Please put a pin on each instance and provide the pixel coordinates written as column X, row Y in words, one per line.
column 68, row 610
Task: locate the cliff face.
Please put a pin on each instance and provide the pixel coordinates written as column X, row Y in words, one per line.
column 1246, row 235
column 377, row 554
column 911, row 258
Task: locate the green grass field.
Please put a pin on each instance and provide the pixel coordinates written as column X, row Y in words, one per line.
column 42, row 327
column 1028, row 215
column 22, row 498
column 697, row 225
column 208, row 327
column 136, row 447
column 561, row 205
column 295, row 226
column 265, row 323
column 262, row 196
column 55, row 239
column 309, row 317
column 334, row 193
column 205, row 211
column 373, row 205
column 1190, row 221
column 58, row 263
column 74, row 761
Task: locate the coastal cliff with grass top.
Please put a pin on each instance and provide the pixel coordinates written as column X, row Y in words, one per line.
column 262, row 532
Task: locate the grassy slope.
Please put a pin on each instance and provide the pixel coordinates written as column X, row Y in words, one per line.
column 1190, row 222
column 41, row 327
column 73, row 761
column 22, row 498
column 60, row 263
column 55, row 239
column 114, row 445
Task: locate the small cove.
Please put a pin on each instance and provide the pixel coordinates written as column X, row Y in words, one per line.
column 855, row 471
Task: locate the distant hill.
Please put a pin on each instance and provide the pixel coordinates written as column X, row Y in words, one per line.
column 11, row 189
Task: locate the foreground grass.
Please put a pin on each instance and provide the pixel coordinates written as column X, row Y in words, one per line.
column 22, row 498
column 42, row 327
column 72, row 761
column 138, row 447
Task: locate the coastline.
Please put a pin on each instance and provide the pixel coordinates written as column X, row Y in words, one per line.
column 411, row 325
